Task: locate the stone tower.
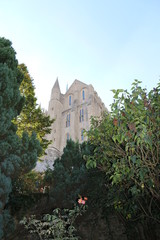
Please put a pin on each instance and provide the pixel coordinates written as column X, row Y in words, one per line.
column 55, row 109
column 72, row 112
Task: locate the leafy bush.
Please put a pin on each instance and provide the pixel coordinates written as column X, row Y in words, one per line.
column 58, row 226
column 127, row 147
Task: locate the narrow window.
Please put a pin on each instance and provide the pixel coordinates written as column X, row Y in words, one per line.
column 83, row 94
column 70, row 100
column 81, row 115
column 68, row 120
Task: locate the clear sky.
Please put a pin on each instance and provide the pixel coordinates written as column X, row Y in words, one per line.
column 106, row 43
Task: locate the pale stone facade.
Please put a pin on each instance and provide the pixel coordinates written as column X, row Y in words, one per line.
column 72, row 112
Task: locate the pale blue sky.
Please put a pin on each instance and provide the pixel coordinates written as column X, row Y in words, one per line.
column 104, row 43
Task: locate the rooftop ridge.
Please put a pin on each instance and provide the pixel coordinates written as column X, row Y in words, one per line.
column 76, row 80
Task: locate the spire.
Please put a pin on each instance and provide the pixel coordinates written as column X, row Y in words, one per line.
column 56, row 85
column 56, row 92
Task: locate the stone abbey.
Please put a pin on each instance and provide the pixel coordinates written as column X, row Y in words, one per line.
column 72, row 112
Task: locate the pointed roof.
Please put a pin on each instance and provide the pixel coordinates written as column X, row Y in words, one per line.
column 76, row 82
column 56, row 86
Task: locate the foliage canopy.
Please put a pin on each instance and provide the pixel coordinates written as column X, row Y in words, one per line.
column 15, row 153
column 127, row 147
column 32, row 117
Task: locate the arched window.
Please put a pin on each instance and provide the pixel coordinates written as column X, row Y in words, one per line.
column 81, row 115
column 70, row 100
column 83, row 94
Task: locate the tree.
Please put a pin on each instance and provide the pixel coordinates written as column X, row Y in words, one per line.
column 68, row 178
column 32, row 118
column 16, row 154
column 127, row 147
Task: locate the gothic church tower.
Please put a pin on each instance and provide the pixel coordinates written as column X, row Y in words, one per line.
column 72, row 112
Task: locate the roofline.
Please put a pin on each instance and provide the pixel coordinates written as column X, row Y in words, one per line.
column 76, row 80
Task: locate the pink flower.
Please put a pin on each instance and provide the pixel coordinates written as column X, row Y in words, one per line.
column 82, row 201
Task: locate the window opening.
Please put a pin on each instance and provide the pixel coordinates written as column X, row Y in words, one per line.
column 81, row 116
column 83, row 94
column 68, row 120
column 70, row 100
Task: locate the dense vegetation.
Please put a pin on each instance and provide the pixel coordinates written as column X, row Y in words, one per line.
column 127, row 149
column 70, row 178
column 16, row 154
column 32, row 119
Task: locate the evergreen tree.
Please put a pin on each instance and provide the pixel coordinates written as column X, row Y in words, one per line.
column 32, row 117
column 16, row 154
column 68, row 178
